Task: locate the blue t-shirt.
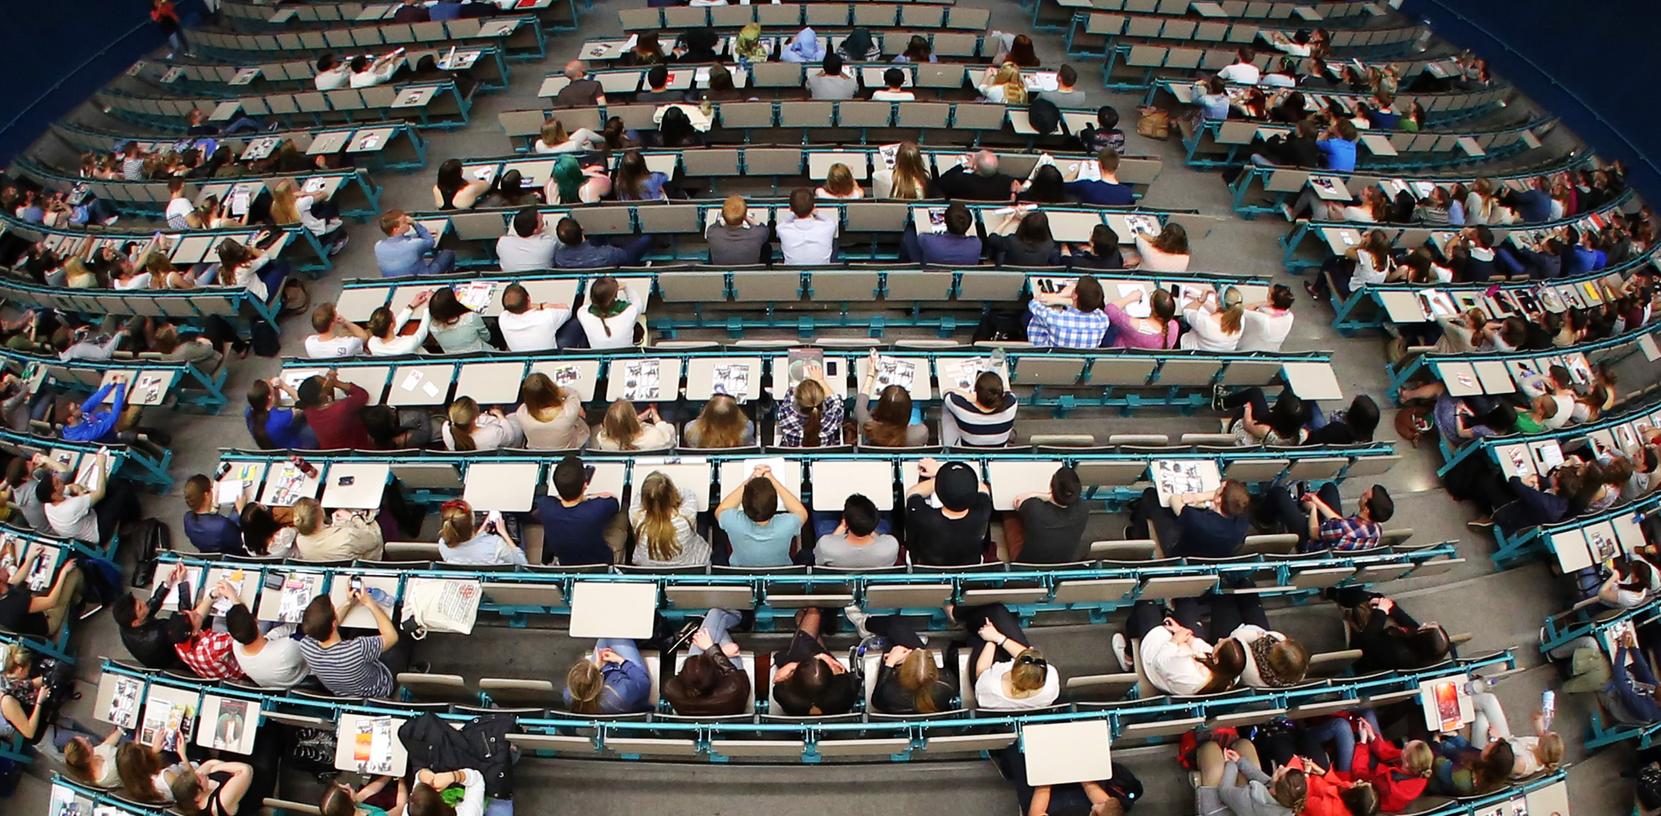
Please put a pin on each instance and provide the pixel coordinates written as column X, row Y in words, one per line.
column 1204, row 533
column 575, row 535
column 1100, row 192
column 759, row 545
column 1337, row 154
column 1381, row 120
column 284, row 427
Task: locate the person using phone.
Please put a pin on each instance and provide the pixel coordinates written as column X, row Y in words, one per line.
column 362, row 666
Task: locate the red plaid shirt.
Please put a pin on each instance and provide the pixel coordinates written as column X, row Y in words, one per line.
column 209, row 655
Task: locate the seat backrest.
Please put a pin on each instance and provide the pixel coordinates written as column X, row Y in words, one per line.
column 693, row 287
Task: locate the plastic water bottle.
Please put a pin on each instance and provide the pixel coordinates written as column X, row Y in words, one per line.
column 379, row 596
column 1548, row 706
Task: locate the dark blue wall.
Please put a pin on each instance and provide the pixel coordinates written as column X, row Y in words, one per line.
column 57, row 53
column 1594, row 63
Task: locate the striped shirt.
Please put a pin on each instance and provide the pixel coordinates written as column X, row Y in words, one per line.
column 349, row 668
column 977, row 427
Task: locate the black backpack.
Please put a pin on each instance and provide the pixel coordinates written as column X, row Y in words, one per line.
column 153, row 538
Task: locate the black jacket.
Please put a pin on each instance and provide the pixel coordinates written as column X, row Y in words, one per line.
column 148, row 642
column 481, row 744
column 959, row 183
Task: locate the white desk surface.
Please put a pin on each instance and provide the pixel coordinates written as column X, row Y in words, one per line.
column 361, row 616
column 1062, row 752
column 609, row 477
column 345, row 748
column 271, row 597
column 421, row 385
column 307, row 489
column 587, row 374
column 356, row 304
column 691, row 476
column 834, row 481
column 1312, row 381
column 369, row 480
column 819, row 163
column 107, row 682
column 734, row 472
column 504, row 486
column 491, row 383
column 615, row 609
column 1009, row 479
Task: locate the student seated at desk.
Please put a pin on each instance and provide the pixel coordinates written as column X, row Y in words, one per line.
column 469, row 429
column 759, row 535
column 1205, row 525
column 332, row 74
column 410, row 11
column 624, row 429
column 954, row 532
column 957, row 246
column 895, row 91
column 528, row 326
column 980, row 418
column 1105, row 133
column 1045, row 187
column 465, row 542
column 811, row 417
column 274, row 662
column 1030, row 245
column 347, row 536
column 860, row 539
column 737, row 239
column 453, row 191
column 1389, row 638
column 657, row 88
column 318, row 215
column 890, row 421
column 575, row 183
column 362, row 666
column 580, row 527
column 527, row 246
column 910, row 679
column 907, row 180
column 142, row 633
column 1048, row 527
column 807, row 679
column 711, row 681
column 665, row 526
column 367, row 73
column 1267, row 323
column 1156, row 331
column 1211, row 327
column 832, row 82
column 377, row 797
column 840, row 184
column 804, row 47
column 387, row 337
column 205, row 652
column 335, row 422
column 335, row 337
column 88, row 515
column 1009, row 673
column 1108, row 190
column 917, row 50
column 721, row 424
column 1174, row 657
column 510, row 190
column 250, row 268
column 207, row 528
column 404, row 252
column 554, row 139
column 610, row 318
column 808, row 235
column 1167, row 252
column 1338, row 146
column 550, row 415
column 976, row 178
column 1002, row 84
column 580, row 91
column 576, row 251
column 1254, row 422
column 747, row 47
column 93, row 421
column 41, row 614
column 456, row 328
column 1318, row 521
column 1071, row 318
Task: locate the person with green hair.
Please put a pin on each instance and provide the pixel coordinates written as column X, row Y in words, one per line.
column 572, row 183
column 748, row 47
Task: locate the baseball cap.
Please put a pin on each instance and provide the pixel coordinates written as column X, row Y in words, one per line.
column 955, row 484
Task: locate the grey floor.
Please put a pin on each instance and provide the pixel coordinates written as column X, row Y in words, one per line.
column 1501, row 609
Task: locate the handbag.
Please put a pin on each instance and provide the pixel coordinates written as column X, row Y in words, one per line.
column 441, row 605
column 1155, row 123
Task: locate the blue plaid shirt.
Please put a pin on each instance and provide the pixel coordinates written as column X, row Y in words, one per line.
column 1350, row 533
column 1064, row 328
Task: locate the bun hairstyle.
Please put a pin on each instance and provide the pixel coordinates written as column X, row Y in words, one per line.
column 585, row 683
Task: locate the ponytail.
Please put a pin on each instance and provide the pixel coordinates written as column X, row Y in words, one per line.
column 463, row 413
column 456, row 523
column 259, row 410
column 809, row 401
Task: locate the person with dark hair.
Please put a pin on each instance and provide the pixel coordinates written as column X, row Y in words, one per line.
column 1065, row 95
column 456, row 328
column 1101, row 253
column 575, row 251
column 427, row 798
column 953, row 533
column 956, row 246
column 675, row 130
column 527, row 326
column 808, row 235
column 335, row 421
column 332, row 74
column 982, row 417
column 207, row 528
column 711, row 681
column 376, row 797
column 1173, row 655
column 276, row 427
column 861, row 538
column 92, row 515
column 590, row 529
column 1205, row 524
column 832, row 82
column 362, row 666
column 1105, row 133
column 1157, row 330
column 203, row 650
column 212, row 787
column 657, row 88
column 144, row 634
column 749, row 514
column 698, row 45
column 269, row 663
column 1030, row 245
column 527, row 246
column 1265, row 325
column 807, row 679
column 1350, row 426
column 917, row 49
column 1045, row 187
column 894, row 90
column 1070, row 318
column 1048, row 527
column 1388, row 637
column 1316, row 518
column 1254, row 422
column 1338, row 146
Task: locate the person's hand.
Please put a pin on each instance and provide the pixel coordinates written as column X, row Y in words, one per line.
column 1539, row 722
column 223, row 589
column 1629, row 639
column 1384, row 605
column 927, row 466
column 702, row 640
column 421, row 299
column 1231, row 755
column 761, row 472
column 425, row 776
column 990, row 634
column 896, row 656
column 174, row 577
column 41, row 694
column 730, row 649
column 354, row 595
column 835, row 665
column 609, row 656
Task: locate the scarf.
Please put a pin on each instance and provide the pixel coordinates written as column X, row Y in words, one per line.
column 1260, row 656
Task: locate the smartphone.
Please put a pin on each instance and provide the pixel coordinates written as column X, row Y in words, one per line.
column 348, row 481
column 355, row 583
column 588, row 473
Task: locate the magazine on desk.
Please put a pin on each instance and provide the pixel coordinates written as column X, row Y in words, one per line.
column 124, row 703
column 1442, row 707
column 169, row 720
column 231, row 725
column 641, row 380
column 298, row 590
column 732, row 380
column 889, row 371
column 1172, row 477
column 372, row 745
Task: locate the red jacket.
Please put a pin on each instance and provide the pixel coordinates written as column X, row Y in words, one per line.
column 1379, row 762
column 1323, row 792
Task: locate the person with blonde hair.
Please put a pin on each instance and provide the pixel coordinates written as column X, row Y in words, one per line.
column 1008, row 673
column 554, row 139
column 625, row 429
column 611, row 680
column 346, row 537
column 840, row 184
column 291, row 205
column 464, row 542
column 94, row 763
column 665, row 526
column 1210, row 326
column 907, row 180
column 469, row 429
column 1003, row 84
column 721, row 424
column 910, row 679
column 551, row 416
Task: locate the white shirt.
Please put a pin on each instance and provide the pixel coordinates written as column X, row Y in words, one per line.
column 247, row 277
column 177, row 209
column 1264, row 331
column 489, row 433
column 1367, row 271
column 516, row 254
column 989, row 689
column 371, row 77
column 278, row 665
column 1174, row 668
column 1206, row 333
column 1242, row 73
column 313, row 224
column 1277, row 81
column 621, row 325
column 331, row 80
column 334, row 348
column 139, row 281
column 472, row 799
column 808, row 240
column 402, row 343
column 534, row 330
column 886, row 95
column 73, row 518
